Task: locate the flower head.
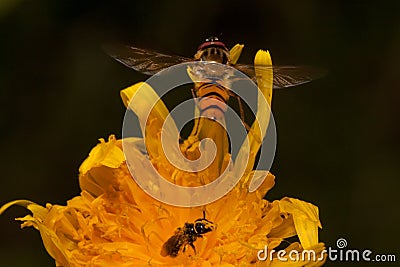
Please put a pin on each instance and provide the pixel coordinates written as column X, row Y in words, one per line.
column 113, row 222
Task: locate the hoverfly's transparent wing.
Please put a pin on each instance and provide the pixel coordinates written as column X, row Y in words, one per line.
column 286, row 76
column 143, row 60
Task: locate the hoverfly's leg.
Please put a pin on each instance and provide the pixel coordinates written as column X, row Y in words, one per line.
column 193, row 93
column 192, row 139
column 193, row 247
column 195, row 130
column 241, row 111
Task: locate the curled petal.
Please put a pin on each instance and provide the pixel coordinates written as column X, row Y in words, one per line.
column 95, row 169
column 235, row 53
column 306, row 220
column 260, row 124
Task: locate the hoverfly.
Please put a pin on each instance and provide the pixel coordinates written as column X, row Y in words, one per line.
column 186, row 235
column 151, row 62
column 212, row 50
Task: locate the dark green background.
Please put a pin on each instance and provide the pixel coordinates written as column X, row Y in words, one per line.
column 338, row 137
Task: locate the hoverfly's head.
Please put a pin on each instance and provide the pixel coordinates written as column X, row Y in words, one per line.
column 213, row 50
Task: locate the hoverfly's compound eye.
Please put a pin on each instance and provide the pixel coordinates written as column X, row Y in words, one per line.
column 212, row 39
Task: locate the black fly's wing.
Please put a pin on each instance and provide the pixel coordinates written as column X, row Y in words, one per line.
column 143, row 60
column 172, row 246
column 285, row 76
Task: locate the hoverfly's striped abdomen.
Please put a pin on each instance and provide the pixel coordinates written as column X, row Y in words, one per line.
column 213, row 100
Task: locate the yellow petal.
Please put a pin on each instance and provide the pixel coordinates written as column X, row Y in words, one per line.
column 264, row 73
column 263, row 69
column 152, row 114
column 53, row 245
column 23, row 203
column 306, row 220
column 96, row 169
column 37, row 220
column 235, row 53
column 143, row 100
column 285, row 229
column 103, row 154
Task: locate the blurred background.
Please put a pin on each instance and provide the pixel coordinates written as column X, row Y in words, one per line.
column 338, row 137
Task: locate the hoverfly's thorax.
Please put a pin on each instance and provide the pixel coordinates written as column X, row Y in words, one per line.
column 213, row 50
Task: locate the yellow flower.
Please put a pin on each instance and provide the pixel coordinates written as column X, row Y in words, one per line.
column 113, row 222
